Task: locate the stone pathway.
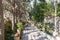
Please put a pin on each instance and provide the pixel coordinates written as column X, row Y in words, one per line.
column 32, row 33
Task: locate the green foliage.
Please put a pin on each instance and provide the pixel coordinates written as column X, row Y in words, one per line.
column 49, row 10
column 8, row 33
column 38, row 12
column 8, row 30
column 58, row 14
column 48, row 25
column 20, row 25
column 58, row 10
column 41, row 10
column 15, row 28
column 48, row 28
column 40, row 26
column 42, row 0
column 48, row 32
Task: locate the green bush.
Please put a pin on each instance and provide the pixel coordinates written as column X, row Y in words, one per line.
column 48, row 28
column 39, row 26
column 8, row 30
column 15, row 27
column 48, row 32
column 20, row 25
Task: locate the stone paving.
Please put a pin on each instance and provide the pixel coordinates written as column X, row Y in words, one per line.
column 32, row 33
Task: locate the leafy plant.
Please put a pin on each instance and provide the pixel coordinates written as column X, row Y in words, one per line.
column 20, row 25
column 8, row 30
column 48, row 28
column 38, row 12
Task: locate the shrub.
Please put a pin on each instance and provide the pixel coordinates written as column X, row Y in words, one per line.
column 48, row 28
column 15, row 28
column 8, row 30
column 20, row 25
column 39, row 26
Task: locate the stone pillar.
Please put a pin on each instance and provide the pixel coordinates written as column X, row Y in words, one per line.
column 1, row 22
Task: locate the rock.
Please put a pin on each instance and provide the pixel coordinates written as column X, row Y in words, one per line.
column 35, row 34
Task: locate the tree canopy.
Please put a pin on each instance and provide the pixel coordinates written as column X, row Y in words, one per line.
column 41, row 10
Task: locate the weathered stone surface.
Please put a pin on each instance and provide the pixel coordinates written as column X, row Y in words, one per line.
column 32, row 33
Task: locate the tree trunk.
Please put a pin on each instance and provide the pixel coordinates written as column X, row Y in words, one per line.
column 1, row 22
column 13, row 18
column 13, row 22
